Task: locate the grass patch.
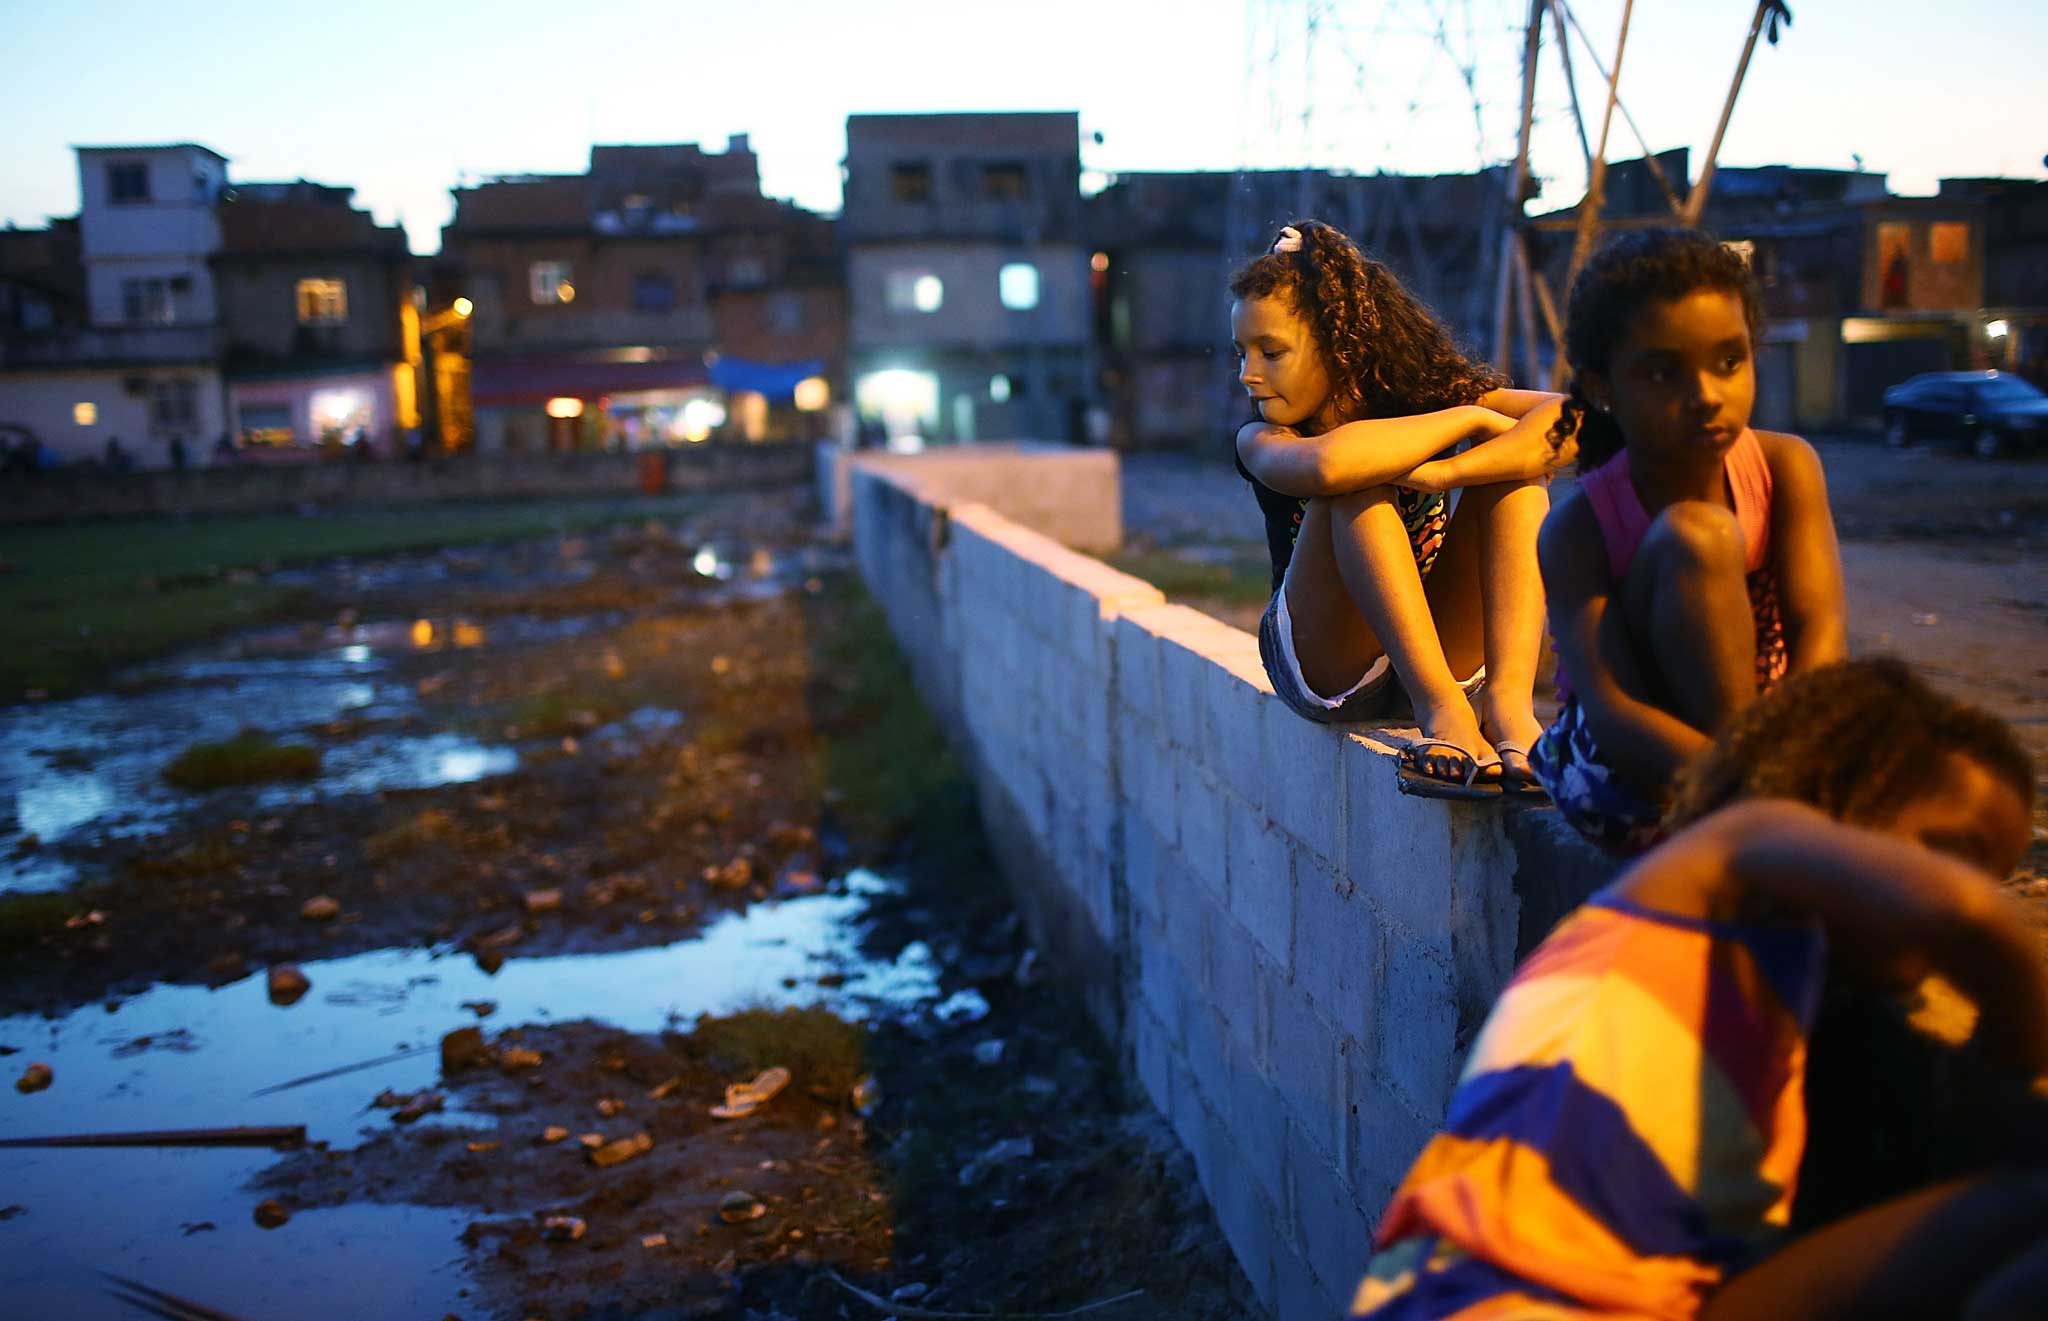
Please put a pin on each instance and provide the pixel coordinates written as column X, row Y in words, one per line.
column 430, row 826
column 568, row 711
column 1244, row 579
column 78, row 600
column 200, row 858
column 823, row 1052
column 250, row 757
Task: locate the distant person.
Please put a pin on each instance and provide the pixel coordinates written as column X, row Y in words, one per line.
column 1381, row 584
column 116, row 458
column 1628, row 1135
column 179, row 457
column 1696, row 565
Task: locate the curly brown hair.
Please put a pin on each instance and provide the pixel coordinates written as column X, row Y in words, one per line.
column 1387, row 354
column 1858, row 740
column 1632, row 270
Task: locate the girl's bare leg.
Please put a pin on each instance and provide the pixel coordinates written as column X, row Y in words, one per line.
column 1688, row 607
column 1503, row 592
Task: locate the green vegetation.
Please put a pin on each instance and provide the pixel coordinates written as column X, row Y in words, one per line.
column 1244, row 579
column 26, row 919
column 250, row 757
column 77, row 600
column 824, row 1053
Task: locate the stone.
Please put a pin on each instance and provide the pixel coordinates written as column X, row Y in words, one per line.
column 272, row 1213
column 739, row 1206
column 562, row 1229
column 621, row 1151
column 552, row 1134
column 35, row 1078
column 320, row 908
column 464, row 1048
column 519, row 1057
column 544, row 901
column 287, row 984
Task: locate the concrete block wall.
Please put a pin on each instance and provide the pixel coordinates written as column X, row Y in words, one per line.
column 1291, row 954
column 1068, row 493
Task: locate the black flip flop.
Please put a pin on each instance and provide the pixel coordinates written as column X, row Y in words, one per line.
column 1410, row 779
column 1511, row 787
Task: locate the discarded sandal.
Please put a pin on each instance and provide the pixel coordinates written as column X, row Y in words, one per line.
column 1410, row 778
column 744, row 1098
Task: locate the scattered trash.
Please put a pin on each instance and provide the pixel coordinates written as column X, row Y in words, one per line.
column 1928, row 620
column 271, row 1213
column 482, row 1146
column 320, row 908
column 544, row 901
column 794, row 881
column 744, row 1098
column 464, row 1048
column 625, row 1149
column 552, row 1134
column 608, row 1106
column 968, row 1006
column 562, row 1229
column 287, row 984
column 989, row 1052
column 592, row 1141
column 654, row 1240
column 418, row 1106
column 733, row 875
column 739, row 1206
column 867, row 1094
column 481, row 1008
column 35, row 1078
column 518, row 1057
column 1001, row 1153
column 662, row 1090
column 79, row 921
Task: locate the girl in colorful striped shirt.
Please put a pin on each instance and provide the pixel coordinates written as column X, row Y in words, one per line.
column 1626, row 1139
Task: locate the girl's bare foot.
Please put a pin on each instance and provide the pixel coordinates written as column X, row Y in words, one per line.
column 1454, row 722
column 1504, row 719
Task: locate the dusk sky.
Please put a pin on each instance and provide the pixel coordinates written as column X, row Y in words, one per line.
column 400, row 100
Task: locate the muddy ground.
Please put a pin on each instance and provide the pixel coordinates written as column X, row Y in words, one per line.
column 725, row 729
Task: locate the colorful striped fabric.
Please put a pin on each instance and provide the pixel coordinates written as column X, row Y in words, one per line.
column 1627, row 1130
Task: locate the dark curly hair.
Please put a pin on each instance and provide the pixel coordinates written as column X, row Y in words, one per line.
column 1637, row 268
column 1858, row 740
column 1387, row 354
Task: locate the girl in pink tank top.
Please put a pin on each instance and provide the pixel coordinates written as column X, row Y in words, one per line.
column 1696, row 564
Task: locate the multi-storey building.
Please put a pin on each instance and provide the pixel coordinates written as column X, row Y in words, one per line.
column 968, row 275
column 657, row 298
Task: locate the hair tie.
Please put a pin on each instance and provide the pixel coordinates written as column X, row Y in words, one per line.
column 1289, row 240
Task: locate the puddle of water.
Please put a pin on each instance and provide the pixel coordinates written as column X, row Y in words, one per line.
column 185, row 1057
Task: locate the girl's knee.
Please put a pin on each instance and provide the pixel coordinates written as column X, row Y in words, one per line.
column 1695, row 534
column 1351, row 502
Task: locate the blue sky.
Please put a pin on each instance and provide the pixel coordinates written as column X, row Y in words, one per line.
column 397, row 99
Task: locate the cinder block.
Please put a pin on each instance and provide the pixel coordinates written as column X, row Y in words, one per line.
column 1200, row 808
column 1261, row 880
column 1235, row 967
column 1145, row 769
column 1306, row 1062
column 1337, row 950
column 1235, row 695
column 1183, row 679
column 1297, row 1292
column 1400, row 846
column 1304, row 792
column 1187, row 930
column 1151, row 1049
column 1385, row 1137
column 1159, row 983
column 1207, row 1053
column 1418, row 1027
column 1328, row 1222
column 1137, row 663
column 1192, row 1123
column 1248, row 1219
column 1141, row 850
column 1259, row 1124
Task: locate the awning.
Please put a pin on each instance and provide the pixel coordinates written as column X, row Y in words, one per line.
column 503, row 384
column 777, row 380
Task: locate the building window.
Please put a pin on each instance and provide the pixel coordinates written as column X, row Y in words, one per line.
column 911, row 181
column 146, row 302
column 323, row 302
column 1948, row 242
column 1005, row 181
column 915, row 291
column 654, row 291
column 174, row 404
column 1017, row 286
column 85, row 414
column 128, row 182
column 999, row 389
column 549, row 282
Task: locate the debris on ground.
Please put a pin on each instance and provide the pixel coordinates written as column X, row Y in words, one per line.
column 744, row 1098
column 739, row 1206
column 34, row 1078
column 563, row 1229
column 287, row 984
column 271, row 1213
column 621, row 1151
column 320, row 908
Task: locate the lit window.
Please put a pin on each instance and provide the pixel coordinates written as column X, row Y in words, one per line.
column 999, row 388
column 565, row 407
column 548, row 282
column 911, row 181
column 915, row 291
column 1017, row 285
column 128, row 182
column 323, row 302
column 85, row 414
column 1948, row 242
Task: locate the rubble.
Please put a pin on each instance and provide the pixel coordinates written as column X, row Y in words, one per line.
column 464, row 1048
column 287, row 985
column 625, row 1149
column 320, row 908
column 271, row 1213
column 35, row 1078
column 739, row 1206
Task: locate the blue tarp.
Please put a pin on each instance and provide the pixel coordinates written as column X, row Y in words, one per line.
column 777, row 380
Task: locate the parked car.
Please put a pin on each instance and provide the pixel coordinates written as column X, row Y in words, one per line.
column 1993, row 413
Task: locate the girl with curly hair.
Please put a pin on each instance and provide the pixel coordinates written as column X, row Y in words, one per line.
column 1696, row 564
column 1633, row 1127
column 1378, row 575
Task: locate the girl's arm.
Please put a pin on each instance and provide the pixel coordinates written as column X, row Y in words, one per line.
column 1522, row 453
column 1889, row 906
column 1357, row 455
column 1808, row 559
column 1518, row 403
column 1640, row 741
